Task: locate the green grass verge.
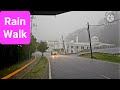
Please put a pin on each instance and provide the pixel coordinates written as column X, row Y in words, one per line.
column 39, row 71
column 13, row 67
column 104, row 57
column 85, row 50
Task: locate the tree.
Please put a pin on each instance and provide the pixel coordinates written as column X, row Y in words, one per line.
column 42, row 47
column 12, row 54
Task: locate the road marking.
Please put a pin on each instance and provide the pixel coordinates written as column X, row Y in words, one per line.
column 27, row 72
column 50, row 76
column 105, row 77
column 15, row 72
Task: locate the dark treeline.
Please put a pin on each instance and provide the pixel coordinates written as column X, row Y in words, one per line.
column 11, row 54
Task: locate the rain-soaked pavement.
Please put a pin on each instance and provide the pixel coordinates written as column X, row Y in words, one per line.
column 74, row 67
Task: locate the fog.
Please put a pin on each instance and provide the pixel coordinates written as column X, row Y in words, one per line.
column 51, row 27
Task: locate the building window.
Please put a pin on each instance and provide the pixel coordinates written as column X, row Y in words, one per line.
column 77, row 47
column 87, row 47
column 67, row 50
column 71, row 46
column 71, row 51
column 68, row 46
column 82, row 47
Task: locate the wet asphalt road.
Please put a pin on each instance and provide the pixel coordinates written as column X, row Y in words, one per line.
column 74, row 67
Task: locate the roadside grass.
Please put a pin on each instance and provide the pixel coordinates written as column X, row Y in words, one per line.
column 13, row 67
column 85, row 50
column 104, row 57
column 39, row 71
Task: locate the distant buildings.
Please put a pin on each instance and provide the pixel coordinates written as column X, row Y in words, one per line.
column 76, row 47
column 54, row 45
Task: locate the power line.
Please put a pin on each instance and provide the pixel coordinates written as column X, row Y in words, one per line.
column 115, row 20
column 83, row 28
column 98, row 25
column 106, row 23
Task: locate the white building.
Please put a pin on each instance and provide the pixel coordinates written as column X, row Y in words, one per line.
column 54, row 45
column 76, row 47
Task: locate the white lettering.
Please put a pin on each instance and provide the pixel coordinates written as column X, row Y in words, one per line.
column 7, row 20
column 11, row 34
column 15, row 35
column 18, row 21
column 24, row 34
column 7, row 34
column 22, row 22
column 14, row 22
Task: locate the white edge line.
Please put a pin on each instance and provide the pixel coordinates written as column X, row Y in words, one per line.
column 50, row 76
column 105, row 77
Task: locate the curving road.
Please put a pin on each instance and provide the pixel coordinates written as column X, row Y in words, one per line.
column 74, row 67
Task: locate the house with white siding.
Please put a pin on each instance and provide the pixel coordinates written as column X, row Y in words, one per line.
column 76, row 47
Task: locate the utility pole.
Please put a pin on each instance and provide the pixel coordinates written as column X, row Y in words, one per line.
column 31, row 32
column 54, row 45
column 88, row 29
column 63, row 44
column 32, row 17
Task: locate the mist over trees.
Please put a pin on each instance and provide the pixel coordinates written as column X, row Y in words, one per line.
column 108, row 33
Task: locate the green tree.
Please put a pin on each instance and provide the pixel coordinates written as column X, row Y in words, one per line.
column 26, row 51
column 42, row 47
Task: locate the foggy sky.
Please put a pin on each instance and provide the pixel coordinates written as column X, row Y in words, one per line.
column 52, row 27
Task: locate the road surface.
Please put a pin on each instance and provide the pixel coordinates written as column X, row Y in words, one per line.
column 74, row 67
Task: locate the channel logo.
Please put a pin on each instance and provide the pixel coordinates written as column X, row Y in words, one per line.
column 15, row 27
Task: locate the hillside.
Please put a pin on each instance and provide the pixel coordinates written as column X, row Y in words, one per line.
column 108, row 33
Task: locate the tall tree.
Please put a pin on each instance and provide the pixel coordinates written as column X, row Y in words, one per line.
column 42, row 47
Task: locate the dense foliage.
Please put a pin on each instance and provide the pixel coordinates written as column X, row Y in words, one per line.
column 42, row 47
column 11, row 54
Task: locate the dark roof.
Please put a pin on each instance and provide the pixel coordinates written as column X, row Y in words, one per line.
column 47, row 12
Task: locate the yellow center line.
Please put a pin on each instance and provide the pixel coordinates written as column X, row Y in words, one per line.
column 15, row 72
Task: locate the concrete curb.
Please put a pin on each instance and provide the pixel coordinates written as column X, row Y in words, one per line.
column 102, row 61
column 27, row 71
column 106, row 61
column 18, row 70
column 50, row 76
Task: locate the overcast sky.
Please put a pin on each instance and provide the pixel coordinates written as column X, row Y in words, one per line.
column 51, row 27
